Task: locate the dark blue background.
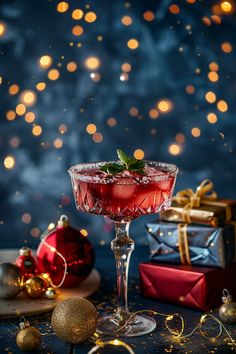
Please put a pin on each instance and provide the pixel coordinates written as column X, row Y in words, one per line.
column 171, row 48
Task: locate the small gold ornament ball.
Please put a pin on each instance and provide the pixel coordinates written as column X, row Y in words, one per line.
column 28, row 339
column 50, row 293
column 74, row 320
column 35, row 287
column 227, row 312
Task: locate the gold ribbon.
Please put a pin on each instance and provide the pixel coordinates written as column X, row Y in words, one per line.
column 204, row 194
column 183, row 244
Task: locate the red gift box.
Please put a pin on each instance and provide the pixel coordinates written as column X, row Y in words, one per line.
column 190, row 286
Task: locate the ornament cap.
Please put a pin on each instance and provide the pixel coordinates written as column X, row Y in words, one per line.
column 63, row 221
column 25, row 251
column 226, row 298
column 24, row 324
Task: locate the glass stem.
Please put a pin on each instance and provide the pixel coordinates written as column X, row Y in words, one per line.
column 122, row 246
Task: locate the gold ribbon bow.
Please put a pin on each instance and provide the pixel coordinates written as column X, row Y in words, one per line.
column 204, row 194
column 189, row 199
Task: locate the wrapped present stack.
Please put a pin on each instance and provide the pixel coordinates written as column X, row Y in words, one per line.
column 192, row 250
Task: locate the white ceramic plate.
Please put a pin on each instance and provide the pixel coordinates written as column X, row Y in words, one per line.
column 23, row 305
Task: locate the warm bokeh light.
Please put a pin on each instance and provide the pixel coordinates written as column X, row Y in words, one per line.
column 222, row 106
column 174, row 149
column 139, row 154
column 92, row 63
column 26, row 218
column 124, row 77
column 62, row 129
column 41, row 86
column 133, row 43
column 84, row 232
column 71, row 66
column 174, row 9
column 111, row 122
column 90, row 17
column 206, row 21
column 126, row 67
column 226, row 6
column 28, row 97
column 180, row 138
column 2, row 29
column 213, row 66
column 210, row 97
column 45, row 61
column 190, row 89
column 153, row 113
column 10, row 115
column 213, row 76
column 164, row 106
column 30, row 117
column 95, row 77
column 35, row 232
column 58, row 143
column 133, row 111
column 148, row 16
column 77, row 14
column 216, row 19
column 62, row 6
column 126, row 20
column 212, row 118
column 14, row 89
column 9, row 162
column 53, row 74
column 196, row 132
column 77, row 30
column 15, row 142
column 97, row 137
column 91, row 128
column 20, row 109
column 226, row 47
column 216, row 9
column 37, row 130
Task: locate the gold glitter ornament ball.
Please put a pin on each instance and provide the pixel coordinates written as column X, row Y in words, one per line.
column 74, row 320
column 227, row 311
column 28, row 339
column 35, row 287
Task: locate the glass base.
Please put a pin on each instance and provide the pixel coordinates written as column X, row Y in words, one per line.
column 140, row 325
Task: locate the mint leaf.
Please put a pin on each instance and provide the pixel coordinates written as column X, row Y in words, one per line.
column 123, row 157
column 127, row 163
column 138, row 165
column 112, row 168
column 132, row 161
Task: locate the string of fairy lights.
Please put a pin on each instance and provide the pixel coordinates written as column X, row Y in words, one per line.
column 25, row 100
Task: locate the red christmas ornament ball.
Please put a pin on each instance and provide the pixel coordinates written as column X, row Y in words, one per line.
column 74, row 247
column 26, row 262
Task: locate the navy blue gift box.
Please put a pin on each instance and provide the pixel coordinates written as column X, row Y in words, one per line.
column 206, row 246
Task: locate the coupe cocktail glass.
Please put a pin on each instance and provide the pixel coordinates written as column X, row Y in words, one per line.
column 123, row 197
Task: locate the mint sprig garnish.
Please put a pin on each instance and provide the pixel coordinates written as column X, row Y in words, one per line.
column 112, row 168
column 126, row 164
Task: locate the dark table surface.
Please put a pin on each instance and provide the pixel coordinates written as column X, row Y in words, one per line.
column 160, row 341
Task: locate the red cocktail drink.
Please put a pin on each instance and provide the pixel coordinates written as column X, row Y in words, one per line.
column 134, row 189
column 124, row 196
